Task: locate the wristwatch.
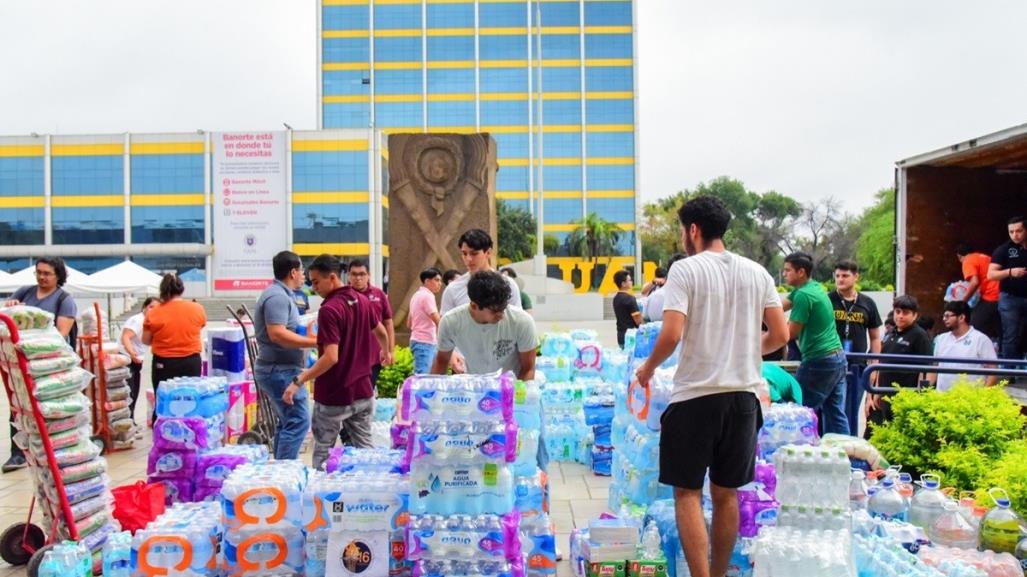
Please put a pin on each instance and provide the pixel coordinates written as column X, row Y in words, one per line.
column 295, row 381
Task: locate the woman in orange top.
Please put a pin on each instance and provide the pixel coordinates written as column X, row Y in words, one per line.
column 173, row 332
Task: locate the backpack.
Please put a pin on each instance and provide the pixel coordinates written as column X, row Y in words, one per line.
column 73, row 333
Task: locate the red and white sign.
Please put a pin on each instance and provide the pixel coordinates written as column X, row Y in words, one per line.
column 249, row 209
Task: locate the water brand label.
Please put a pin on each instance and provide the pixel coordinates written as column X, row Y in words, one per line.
column 490, row 474
column 520, row 393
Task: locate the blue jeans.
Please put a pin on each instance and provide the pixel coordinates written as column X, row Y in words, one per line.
column 823, row 389
column 1012, row 310
column 424, row 354
column 854, row 396
column 294, row 419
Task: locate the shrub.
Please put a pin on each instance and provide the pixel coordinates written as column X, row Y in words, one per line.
column 1009, row 472
column 392, row 376
column 958, row 434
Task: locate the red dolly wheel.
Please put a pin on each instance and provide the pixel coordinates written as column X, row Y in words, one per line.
column 14, row 550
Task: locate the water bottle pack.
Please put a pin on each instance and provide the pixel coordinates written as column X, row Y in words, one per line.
column 527, row 451
column 446, row 443
column 530, row 494
column 350, row 459
column 458, row 397
column 812, row 476
column 67, row 559
column 214, row 466
column 185, row 539
column 264, row 551
column 563, row 396
column 615, row 367
column 528, row 405
column 791, row 551
column 786, row 424
column 555, row 368
column 188, row 433
column 647, row 403
column 756, row 503
column 538, row 544
column 461, row 489
column 469, row 537
column 558, row 345
column 662, row 513
column 985, row 563
column 192, row 397
column 360, row 501
column 117, row 555
column 451, row 568
column 567, row 437
column 599, row 409
column 876, row 556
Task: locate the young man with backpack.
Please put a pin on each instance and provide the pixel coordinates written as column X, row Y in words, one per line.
column 46, row 294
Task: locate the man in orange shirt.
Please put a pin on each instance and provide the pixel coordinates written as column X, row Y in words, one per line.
column 985, row 317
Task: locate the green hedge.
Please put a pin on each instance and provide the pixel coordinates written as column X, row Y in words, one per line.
column 393, row 375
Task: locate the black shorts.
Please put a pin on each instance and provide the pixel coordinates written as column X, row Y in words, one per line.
column 985, row 318
column 716, row 432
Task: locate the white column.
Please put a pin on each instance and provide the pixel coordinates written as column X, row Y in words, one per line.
column 374, row 209
column 127, row 188
column 47, row 192
column 288, row 188
column 370, row 60
column 584, row 118
column 477, row 68
column 424, row 69
column 319, row 63
column 531, row 119
column 540, row 213
column 638, row 140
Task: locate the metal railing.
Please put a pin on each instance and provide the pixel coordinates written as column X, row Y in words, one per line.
column 925, row 364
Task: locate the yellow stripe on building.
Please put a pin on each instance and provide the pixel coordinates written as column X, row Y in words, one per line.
column 571, row 227
column 561, row 128
column 22, row 202
column 561, row 161
column 329, row 145
column 408, row 65
column 87, row 149
column 450, row 130
column 336, row 248
column 402, row 129
column 394, row 98
column 503, row 96
column 456, row 64
column 503, row 31
column 513, row 162
column 398, row 32
column 515, row 129
column 167, row 148
column 610, row 194
column 450, row 1
column 450, row 98
column 503, row 63
column 330, row 197
column 609, row 95
column 561, row 194
column 611, row 127
column 348, row 99
column 609, row 62
column 81, row 201
column 611, row 161
column 561, row 30
column 9, row 150
column 608, row 29
column 344, row 2
column 512, row 195
column 561, row 96
column 561, row 63
column 385, row 201
column 345, row 34
column 341, row 66
column 451, row 32
column 195, row 199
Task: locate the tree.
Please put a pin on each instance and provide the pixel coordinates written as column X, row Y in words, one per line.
column 516, row 231
column 550, row 245
column 593, row 236
column 875, row 247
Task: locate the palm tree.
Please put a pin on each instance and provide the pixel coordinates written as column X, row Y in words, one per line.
column 593, row 236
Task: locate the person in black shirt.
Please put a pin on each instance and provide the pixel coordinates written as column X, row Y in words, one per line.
column 625, row 306
column 908, row 338
column 1009, row 267
column 859, row 326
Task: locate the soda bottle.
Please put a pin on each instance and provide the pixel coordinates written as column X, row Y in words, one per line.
column 1001, row 527
column 951, row 529
column 927, row 503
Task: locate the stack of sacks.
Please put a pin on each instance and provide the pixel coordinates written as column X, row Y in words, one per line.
column 190, row 420
column 358, row 517
column 215, row 465
column 461, row 448
column 88, row 327
column 117, row 374
column 263, row 515
column 57, row 384
column 185, row 540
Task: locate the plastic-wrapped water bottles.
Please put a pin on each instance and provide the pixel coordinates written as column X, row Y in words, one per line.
column 528, row 405
column 467, row 537
column 615, row 366
column 117, row 555
column 462, row 489
column 786, row 424
column 787, row 551
column 187, row 537
column 365, row 501
column 454, row 568
column 530, row 494
column 527, row 452
column 192, row 397
column 264, row 551
column 443, row 443
column 351, row 459
column 539, row 546
column 876, row 556
column 599, row 409
column 458, row 397
column 558, row 345
column 67, row 559
column 812, row 476
column 927, row 503
column 986, row 563
column 887, row 503
column 265, row 494
column 555, row 369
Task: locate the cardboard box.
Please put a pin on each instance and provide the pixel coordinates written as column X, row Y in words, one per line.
column 606, row 569
column 641, row 568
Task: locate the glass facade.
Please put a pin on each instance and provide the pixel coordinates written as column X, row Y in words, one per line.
column 552, row 81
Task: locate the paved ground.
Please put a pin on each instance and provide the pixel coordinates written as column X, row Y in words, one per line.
column 577, row 495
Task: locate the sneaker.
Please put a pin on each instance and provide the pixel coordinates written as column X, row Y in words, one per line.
column 138, row 434
column 14, row 463
column 559, row 554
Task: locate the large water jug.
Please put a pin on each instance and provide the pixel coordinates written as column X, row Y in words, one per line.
column 951, row 529
column 927, row 503
column 1001, row 527
column 887, row 503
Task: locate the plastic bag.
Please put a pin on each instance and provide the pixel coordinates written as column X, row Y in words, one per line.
column 118, row 374
column 84, row 450
column 138, row 504
column 41, row 367
column 80, row 490
column 122, row 426
column 90, row 506
column 112, row 406
column 44, row 345
column 62, row 384
column 118, row 393
column 63, row 407
column 116, row 361
column 28, row 318
column 83, row 471
column 119, row 414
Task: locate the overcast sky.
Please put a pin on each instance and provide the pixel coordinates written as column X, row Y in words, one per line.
column 811, row 98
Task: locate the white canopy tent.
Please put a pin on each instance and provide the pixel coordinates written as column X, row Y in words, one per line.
column 27, row 276
column 124, row 277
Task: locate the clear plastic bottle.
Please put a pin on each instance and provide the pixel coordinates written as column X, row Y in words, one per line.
column 1001, row 527
column 888, row 503
column 927, row 503
column 858, row 490
column 117, row 555
column 652, row 544
column 951, row 529
column 1021, row 553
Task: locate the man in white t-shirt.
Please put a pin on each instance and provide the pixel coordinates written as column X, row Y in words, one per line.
column 654, row 305
column 962, row 341
column 132, row 345
column 715, row 303
column 476, row 251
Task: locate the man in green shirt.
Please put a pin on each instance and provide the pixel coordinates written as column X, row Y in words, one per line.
column 821, row 374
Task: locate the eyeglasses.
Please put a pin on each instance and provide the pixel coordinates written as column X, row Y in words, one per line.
column 948, row 315
column 44, row 273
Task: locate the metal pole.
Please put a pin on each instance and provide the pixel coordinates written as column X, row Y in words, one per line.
column 540, row 254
